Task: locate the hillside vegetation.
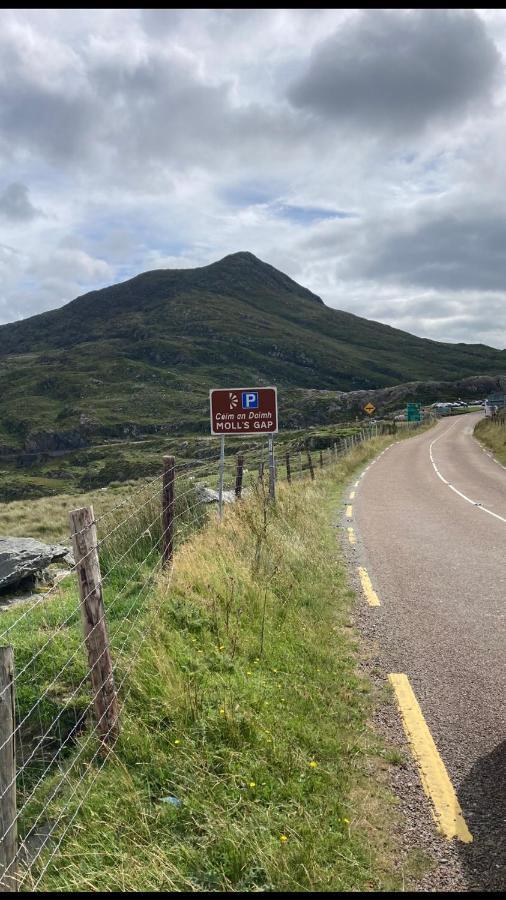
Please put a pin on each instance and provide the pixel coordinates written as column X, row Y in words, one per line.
column 139, row 357
column 243, row 726
column 492, row 433
column 103, row 469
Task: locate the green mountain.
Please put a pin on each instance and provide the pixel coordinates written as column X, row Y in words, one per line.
column 142, row 355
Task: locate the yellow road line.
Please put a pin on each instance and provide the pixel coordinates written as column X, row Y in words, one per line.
column 369, row 592
column 436, row 783
column 352, row 495
column 351, row 536
column 349, row 512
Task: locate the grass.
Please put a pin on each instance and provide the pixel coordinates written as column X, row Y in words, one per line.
column 46, row 518
column 245, row 705
column 492, row 433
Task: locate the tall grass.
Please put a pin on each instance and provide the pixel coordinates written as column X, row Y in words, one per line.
column 492, row 433
column 245, row 761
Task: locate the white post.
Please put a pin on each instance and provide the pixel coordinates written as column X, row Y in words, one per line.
column 272, row 470
column 222, row 470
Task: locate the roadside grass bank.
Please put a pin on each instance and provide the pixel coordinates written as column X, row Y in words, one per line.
column 492, row 434
column 245, row 761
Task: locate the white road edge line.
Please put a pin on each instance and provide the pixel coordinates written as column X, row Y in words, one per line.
column 464, row 496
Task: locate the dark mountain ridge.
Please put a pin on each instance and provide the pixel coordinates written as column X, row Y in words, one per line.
column 144, row 353
column 143, row 294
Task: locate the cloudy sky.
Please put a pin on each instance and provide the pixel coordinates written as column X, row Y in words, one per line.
column 360, row 152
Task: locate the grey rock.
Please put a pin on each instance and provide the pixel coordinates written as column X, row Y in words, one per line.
column 207, row 495
column 22, row 557
column 8, row 599
column 54, row 441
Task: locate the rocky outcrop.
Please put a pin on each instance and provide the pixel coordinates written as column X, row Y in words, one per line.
column 335, row 406
column 207, row 495
column 21, row 558
column 54, row 441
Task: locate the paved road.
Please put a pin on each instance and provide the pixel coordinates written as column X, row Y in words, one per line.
column 438, row 563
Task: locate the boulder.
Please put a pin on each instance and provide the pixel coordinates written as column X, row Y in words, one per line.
column 21, row 558
column 207, row 495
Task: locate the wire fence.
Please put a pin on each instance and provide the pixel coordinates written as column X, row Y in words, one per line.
column 66, row 654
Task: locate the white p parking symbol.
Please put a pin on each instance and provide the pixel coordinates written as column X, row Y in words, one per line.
column 250, row 400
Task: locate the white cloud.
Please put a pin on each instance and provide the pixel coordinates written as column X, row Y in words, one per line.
column 136, row 139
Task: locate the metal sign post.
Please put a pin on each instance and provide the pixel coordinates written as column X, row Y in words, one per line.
column 222, row 470
column 272, row 471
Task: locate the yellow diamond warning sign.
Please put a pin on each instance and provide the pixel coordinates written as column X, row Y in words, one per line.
column 369, row 408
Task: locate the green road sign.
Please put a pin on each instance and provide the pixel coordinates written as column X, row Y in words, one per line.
column 413, row 412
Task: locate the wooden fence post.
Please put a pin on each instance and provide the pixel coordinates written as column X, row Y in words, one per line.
column 169, row 471
column 8, row 812
column 260, row 472
column 84, row 544
column 310, row 464
column 238, row 475
column 321, row 459
column 288, row 468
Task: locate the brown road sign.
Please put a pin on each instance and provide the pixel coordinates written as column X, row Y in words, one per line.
column 369, row 408
column 244, row 411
